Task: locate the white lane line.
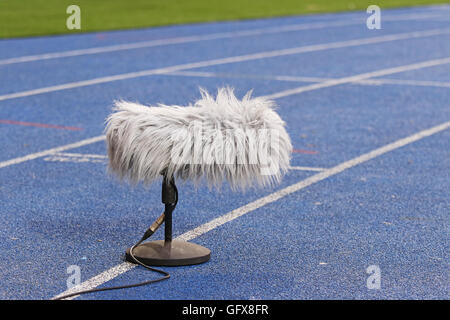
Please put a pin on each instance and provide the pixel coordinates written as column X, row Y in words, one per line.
column 176, row 40
column 198, row 38
column 217, row 222
column 378, row 81
column 359, row 77
column 325, row 84
column 307, row 168
column 76, row 158
column 82, row 155
column 422, row 83
column 235, row 59
column 51, row 151
column 98, row 280
column 205, row 74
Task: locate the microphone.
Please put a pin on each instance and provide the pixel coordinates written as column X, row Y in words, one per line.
column 216, row 139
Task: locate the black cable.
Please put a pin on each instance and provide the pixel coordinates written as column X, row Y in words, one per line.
column 166, row 276
column 146, row 235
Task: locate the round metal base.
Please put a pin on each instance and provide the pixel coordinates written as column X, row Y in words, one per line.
column 174, row 253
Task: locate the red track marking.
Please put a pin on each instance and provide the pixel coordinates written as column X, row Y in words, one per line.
column 305, row 151
column 39, row 125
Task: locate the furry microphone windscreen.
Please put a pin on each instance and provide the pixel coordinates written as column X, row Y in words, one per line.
column 216, row 139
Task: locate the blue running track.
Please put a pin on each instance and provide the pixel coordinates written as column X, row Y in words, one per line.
column 59, row 207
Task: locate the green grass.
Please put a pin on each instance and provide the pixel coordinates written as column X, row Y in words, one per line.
column 19, row 18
